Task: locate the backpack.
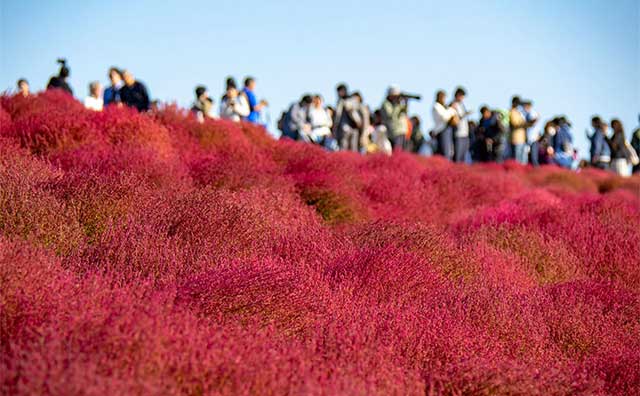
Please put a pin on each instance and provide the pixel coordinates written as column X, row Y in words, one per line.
column 281, row 121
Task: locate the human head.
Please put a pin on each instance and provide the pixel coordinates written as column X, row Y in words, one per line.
column 526, row 105
column 115, row 75
column 23, row 87
column 596, row 122
column 485, row 112
column 393, row 92
column 317, row 101
column 441, row 96
column 250, row 83
column 306, row 100
column 64, row 70
column 459, row 94
column 230, row 82
column 515, row 101
column 95, row 89
column 232, row 92
column 128, row 77
column 550, row 127
column 342, row 90
column 616, row 125
column 415, row 121
column 356, row 95
column 377, row 117
column 201, row 92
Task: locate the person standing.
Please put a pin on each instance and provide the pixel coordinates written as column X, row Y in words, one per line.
column 23, row 87
column 461, row 131
column 443, row 118
column 134, row 93
column 296, row 122
column 94, row 101
column 112, row 93
column 203, row 105
column 600, row 152
column 619, row 153
column 394, row 117
column 60, row 81
column 635, row 144
column 518, row 132
column 489, row 135
column 360, row 118
column 255, row 107
column 233, row 106
column 320, row 121
column 563, row 143
column 343, row 124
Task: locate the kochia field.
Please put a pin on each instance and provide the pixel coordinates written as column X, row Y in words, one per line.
column 149, row 254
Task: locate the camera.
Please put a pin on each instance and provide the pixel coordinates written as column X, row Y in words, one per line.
column 407, row 96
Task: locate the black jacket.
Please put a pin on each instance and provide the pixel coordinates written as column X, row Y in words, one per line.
column 135, row 96
column 57, row 82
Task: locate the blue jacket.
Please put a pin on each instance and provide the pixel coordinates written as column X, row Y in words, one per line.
column 254, row 115
column 562, row 140
column 111, row 95
column 600, row 151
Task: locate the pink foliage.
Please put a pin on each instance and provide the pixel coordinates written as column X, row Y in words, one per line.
column 152, row 254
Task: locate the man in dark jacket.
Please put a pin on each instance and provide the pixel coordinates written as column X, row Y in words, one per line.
column 134, row 93
column 60, row 81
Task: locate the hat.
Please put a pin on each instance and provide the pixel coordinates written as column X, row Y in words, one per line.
column 393, row 90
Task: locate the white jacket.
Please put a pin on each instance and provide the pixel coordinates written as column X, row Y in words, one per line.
column 234, row 110
column 441, row 116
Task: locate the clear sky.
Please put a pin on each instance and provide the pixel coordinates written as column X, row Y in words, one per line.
column 577, row 58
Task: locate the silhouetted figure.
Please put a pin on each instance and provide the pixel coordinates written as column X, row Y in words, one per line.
column 134, row 93
column 635, row 143
column 60, row 81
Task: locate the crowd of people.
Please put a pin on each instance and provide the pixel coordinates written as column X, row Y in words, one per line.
column 351, row 125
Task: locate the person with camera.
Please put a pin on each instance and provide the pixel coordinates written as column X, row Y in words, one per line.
column 394, row 117
column 296, row 125
column 444, row 119
column 460, row 131
column 60, row 81
column 255, row 106
column 203, row 105
column 234, row 106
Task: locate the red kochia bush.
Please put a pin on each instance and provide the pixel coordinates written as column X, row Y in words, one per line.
column 150, row 254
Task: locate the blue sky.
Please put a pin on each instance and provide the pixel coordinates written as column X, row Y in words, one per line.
column 571, row 57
